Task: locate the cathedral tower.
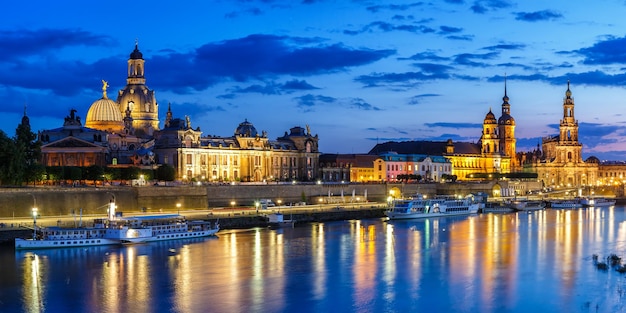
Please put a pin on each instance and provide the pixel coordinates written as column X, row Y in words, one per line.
column 489, row 139
column 506, row 130
column 138, row 99
column 568, row 149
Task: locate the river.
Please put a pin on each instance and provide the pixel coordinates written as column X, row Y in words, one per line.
column 516, row 262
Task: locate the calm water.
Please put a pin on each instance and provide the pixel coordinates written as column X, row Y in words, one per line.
column 518, row 262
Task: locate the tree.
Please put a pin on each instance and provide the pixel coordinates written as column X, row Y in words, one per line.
column 166, row 173
column 27, row 153
column 94, row 172
column 6, row 158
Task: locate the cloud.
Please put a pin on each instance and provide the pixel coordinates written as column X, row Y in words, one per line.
column 417, row 99
column 609, row 51
column 449, row 30
column 17, row 44
column 360, row 104
column 310, row 100
column 468, row 59
column 454, row 125
column 404, row 79
column 394, row 7
column 483, row 6
column 461, row 37
column 271, row 88
column 427, row 55
column 388, row 27
column 505, row 46
column 545, row 15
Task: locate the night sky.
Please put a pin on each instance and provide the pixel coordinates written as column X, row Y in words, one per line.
column 358, row 72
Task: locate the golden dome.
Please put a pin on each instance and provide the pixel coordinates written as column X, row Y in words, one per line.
column 104, row 114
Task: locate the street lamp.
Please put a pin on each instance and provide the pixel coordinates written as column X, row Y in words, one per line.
column 34, row 223
column 232, row 204
column 178, row 207
column 279, row 202
column 256, row 205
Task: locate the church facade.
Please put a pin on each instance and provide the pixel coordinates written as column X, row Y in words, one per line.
column 560, row 162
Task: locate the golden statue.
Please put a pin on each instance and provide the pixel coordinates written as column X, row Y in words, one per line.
column 105, row 85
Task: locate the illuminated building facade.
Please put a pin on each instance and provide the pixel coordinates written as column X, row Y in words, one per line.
column 247, row 156
column 561, row 163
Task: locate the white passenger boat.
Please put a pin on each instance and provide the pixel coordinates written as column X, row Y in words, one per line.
column 566, row 204
column 420, row 207
column 118, row 230
column 596, row 202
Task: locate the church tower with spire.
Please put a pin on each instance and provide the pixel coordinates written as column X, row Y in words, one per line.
column 138, row 98
column 506, row 130
column 568, row 149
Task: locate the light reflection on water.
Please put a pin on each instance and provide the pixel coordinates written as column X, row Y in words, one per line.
column 519, row 262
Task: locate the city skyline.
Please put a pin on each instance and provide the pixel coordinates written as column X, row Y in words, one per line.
column 357, row 72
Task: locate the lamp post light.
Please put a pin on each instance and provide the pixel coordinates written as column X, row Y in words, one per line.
column 256, row 205
column 279, row 202
column 232, row 204
column 178, row 207
column 34, row 223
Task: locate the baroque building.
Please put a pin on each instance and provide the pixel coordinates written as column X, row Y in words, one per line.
column 560, row 164
column 138, row 99
column 495, row 152
column 247, row 156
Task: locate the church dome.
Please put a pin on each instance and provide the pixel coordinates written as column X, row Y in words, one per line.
column 506, row 119
column 490, row 118
column 136, row 54
column 104, row 114
column 246, row 129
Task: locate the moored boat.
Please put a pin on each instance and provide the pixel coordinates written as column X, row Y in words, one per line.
column 277, row 220
column 420, row 207
column 529, row 205
column 596, row 202
column 118, row 230
column 565, row 204
column 498, row 207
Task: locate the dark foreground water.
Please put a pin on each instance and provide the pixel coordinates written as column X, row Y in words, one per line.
column 518, row 262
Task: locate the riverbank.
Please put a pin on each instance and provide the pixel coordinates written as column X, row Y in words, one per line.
column 228, row 219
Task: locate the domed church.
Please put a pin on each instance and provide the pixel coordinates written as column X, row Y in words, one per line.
column 138, row 99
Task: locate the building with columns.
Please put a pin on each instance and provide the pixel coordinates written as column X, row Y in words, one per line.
column 247, row 156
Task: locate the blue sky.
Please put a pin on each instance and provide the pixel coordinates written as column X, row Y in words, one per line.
column 358, row 72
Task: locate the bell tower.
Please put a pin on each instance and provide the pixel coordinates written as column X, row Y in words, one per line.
column 568, row 149
column 137, row 98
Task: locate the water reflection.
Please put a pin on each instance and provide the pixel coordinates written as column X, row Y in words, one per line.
column 486, row 263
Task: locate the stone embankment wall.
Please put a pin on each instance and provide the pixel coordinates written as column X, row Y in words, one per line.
column 60, row 201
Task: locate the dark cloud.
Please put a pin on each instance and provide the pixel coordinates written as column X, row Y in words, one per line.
column 417, row 99
column 509, row 46
column 296, row 84
column 449, row 30
column 468, row 58
column 360, row 104
column 592, row 78
column 461, row 37
column 310, row 100
column 272, row 88
column 428, row 55
column 545, row 15
column 18, row 44
column 609, row 51
column 454, row 125
column 394, row 7
column 483, row 6
column 388, row 27
column 433, row 68
column 404, row 79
